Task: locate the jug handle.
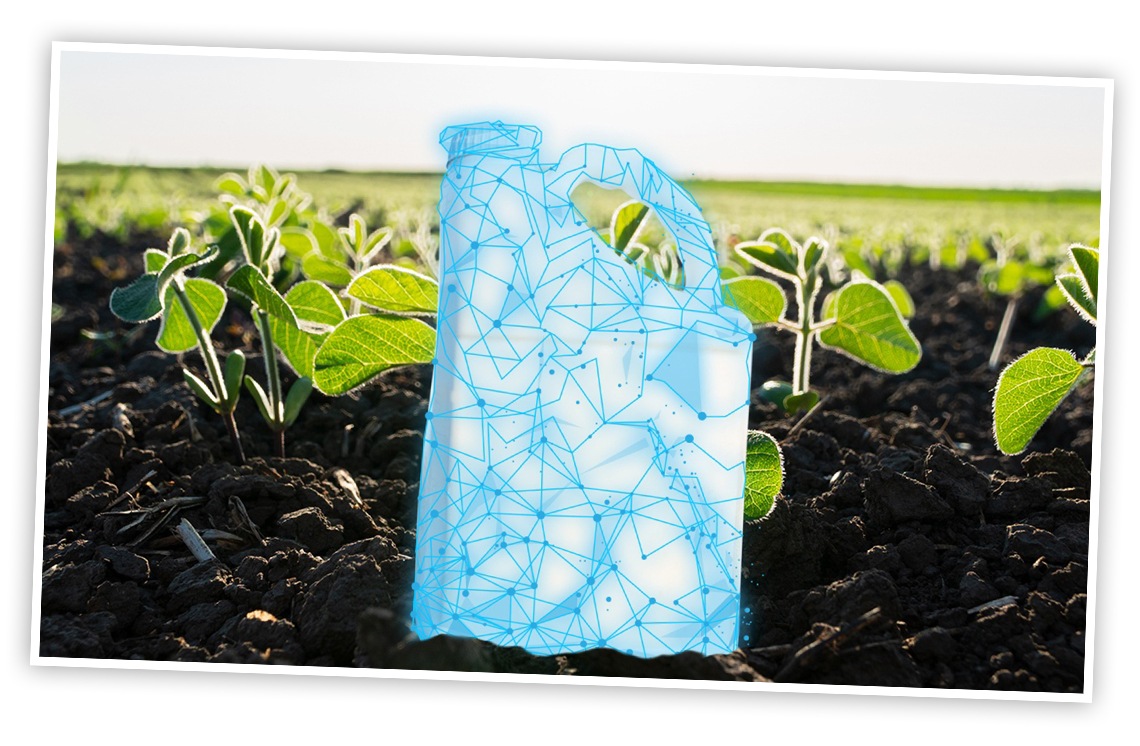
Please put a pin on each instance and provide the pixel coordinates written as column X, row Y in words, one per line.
column 629, row 170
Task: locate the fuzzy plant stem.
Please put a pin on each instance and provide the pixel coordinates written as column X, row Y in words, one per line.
column 804, row 337
column 1003, row 331
column 274, row 377
column 213, row 368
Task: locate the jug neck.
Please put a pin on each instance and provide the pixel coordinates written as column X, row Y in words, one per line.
column 491, row 140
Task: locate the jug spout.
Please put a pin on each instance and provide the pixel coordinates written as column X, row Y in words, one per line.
column 516, row 141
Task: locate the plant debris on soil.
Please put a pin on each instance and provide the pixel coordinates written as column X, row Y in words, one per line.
column 904, row 550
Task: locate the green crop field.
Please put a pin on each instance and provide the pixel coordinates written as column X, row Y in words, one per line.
column 122, row 200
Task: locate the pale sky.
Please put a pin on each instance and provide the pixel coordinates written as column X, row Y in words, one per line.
column 164, row 109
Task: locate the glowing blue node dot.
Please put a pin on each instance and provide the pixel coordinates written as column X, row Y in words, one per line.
column 540, row 515
column 496, row 323
column 510, row 591
column 474, row 244
column 481, row 402
column 688, row 438
column 434, row 514
column 597, row 518
column 451, row 288
column 608, row 599
column 702, row 416
column 428, row 416
column 466, row 594
column 652, row 601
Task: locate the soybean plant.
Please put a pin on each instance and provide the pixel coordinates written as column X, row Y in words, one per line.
column 1033, row 386
column 190, row 308
column 262, row 248
column 861, row 319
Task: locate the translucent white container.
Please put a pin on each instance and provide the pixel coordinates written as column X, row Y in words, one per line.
column 583, row 465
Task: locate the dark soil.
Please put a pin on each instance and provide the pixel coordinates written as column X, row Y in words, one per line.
column 904, row 551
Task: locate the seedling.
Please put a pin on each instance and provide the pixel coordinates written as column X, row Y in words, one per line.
column 861, row 319
column 262, row 249
column 1009, row 277
column 190, row 307
column 354, row 251
column 1033, row 386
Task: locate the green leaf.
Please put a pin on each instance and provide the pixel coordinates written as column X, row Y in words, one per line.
column 780, row 239
column 901, row 298
column 179, row 241
column 627, row 222
column 856, row 262
column 297, row 345
column 363, row 346
column 232, row 373
column 278, row 211
column 137, row 302
column 231, row 183
column 200, row 388
column 1076, row 293
column 208, row 301
column 813, row 252
column 729, row 272
column 827, row 311
column 1087, row 262
column 321, row 268
column 298, row 242
column 1029, row 390
column 251, row 232
column 803, row 402
column 314, row 302
column 179, row 264
column 763, row 474
column 262, row 401
column 265, row 177
column 761, row 300
column 154, row 260
column 868, row 328
column 374, row 244
column 769, row 257
column 395, row 289
column 296, row 398
column 1053, row 299
column 326, row 240
column 249, row 282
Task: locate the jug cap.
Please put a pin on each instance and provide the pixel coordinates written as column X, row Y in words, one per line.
column 491, row 138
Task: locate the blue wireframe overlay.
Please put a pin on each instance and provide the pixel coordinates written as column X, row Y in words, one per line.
column 583, row 465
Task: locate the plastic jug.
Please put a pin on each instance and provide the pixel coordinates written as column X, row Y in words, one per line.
column 583, row 465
